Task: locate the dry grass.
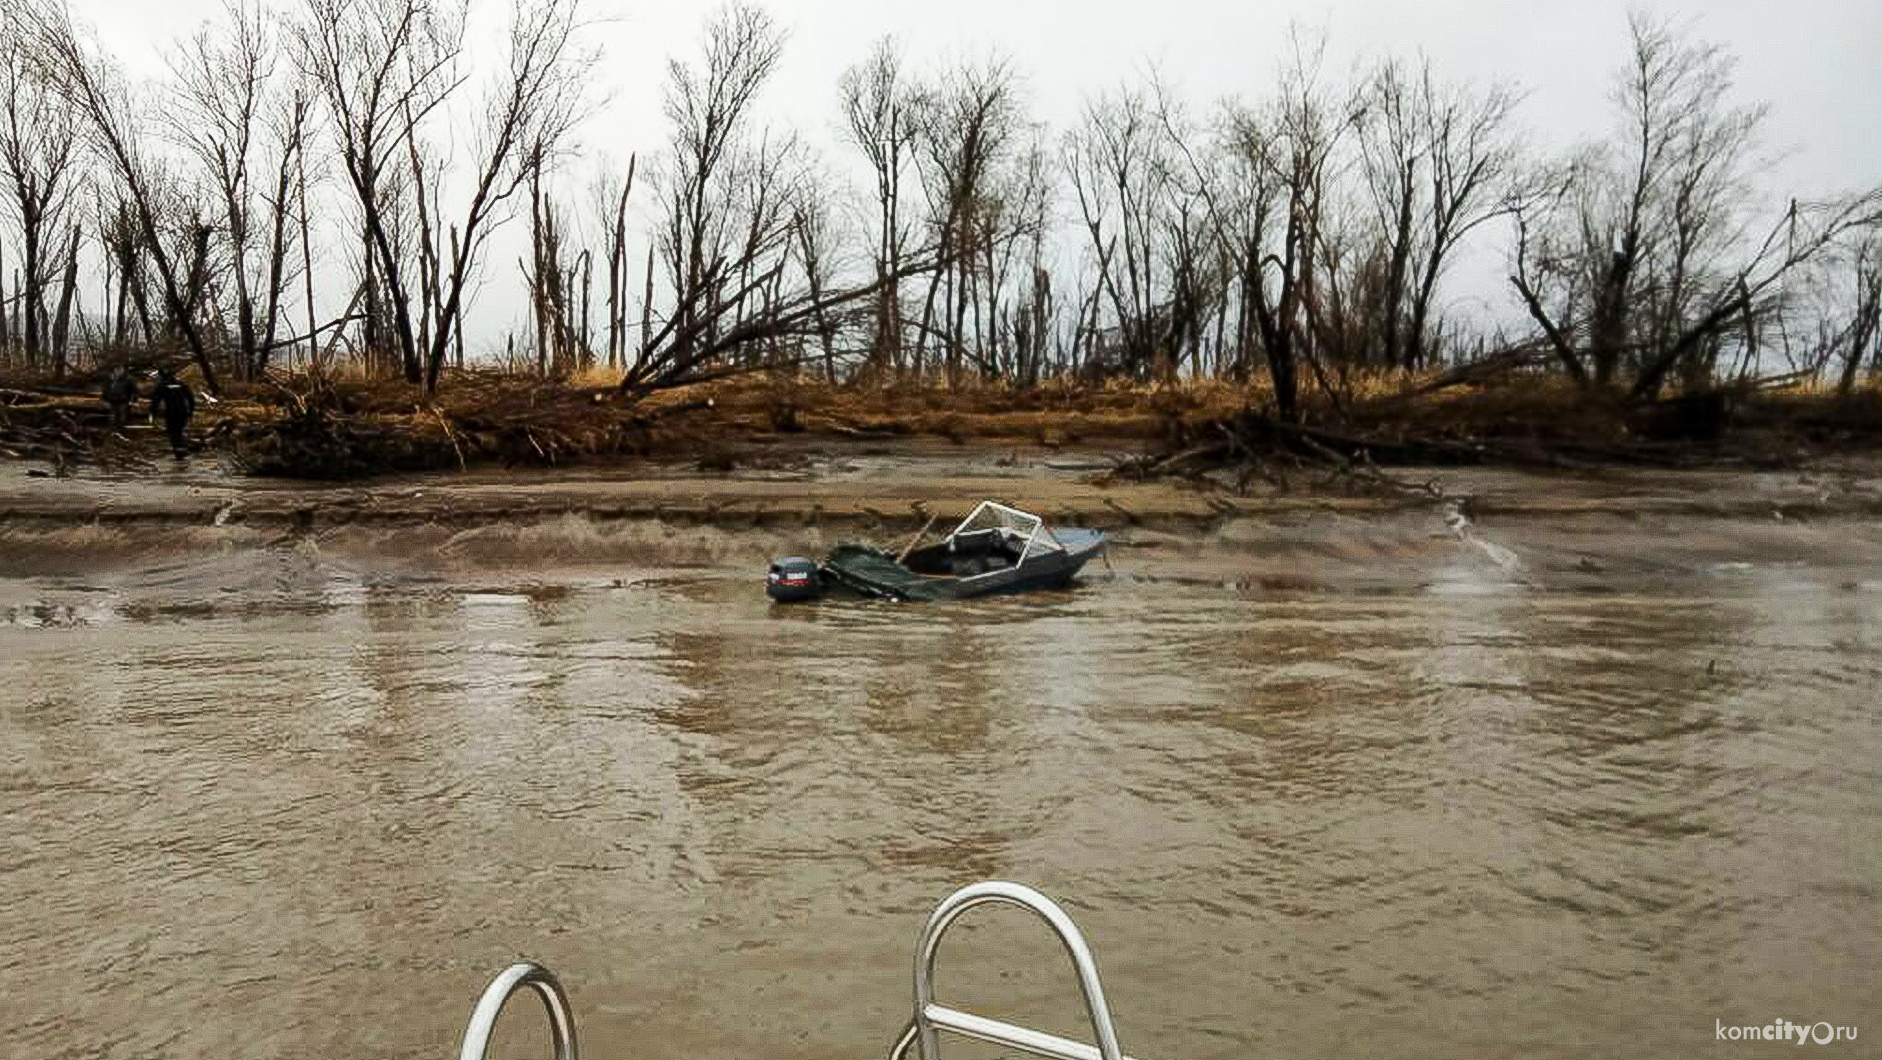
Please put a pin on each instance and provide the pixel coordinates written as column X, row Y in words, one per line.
column 481, row 417
column 1536, row 407
column 360, row 424
column 1056, row 412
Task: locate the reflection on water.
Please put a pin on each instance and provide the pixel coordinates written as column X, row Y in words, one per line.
column 266, row 805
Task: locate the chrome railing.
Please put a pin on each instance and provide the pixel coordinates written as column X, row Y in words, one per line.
column 931, row 1018
column 490, row 1006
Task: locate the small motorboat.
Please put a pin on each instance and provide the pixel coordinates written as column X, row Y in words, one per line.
column 996, row 549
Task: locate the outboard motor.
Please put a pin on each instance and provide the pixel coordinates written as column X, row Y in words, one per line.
column 793, row 579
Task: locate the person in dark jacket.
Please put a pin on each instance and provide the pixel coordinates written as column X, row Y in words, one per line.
column 173, row 399
column 120, row 391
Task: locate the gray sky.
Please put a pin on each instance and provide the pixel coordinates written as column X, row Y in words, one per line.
column 1815, row 62
column 1818, row 62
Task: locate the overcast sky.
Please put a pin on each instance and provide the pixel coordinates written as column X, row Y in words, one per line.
column 1815, row 62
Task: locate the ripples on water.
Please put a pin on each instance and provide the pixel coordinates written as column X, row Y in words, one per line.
column 266, row 804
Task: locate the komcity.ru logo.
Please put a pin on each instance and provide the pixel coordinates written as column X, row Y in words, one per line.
column 1785, row 1031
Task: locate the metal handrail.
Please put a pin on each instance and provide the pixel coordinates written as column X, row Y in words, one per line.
column 930, row 1018
column 490, row 1006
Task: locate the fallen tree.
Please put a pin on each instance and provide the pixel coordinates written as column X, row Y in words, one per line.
column 322, row 432
column 1497, row 421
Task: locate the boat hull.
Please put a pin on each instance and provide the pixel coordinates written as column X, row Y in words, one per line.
column 874, row 573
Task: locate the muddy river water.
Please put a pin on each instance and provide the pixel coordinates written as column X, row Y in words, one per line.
column 1415, row 794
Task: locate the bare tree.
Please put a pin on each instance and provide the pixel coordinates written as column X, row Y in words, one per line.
column 749, row 270
column 382, row 67
column 1468, row 133
column 1858, row 341
column 1013, row 251
column 1145, row 224
column 610, row 193
column 247, row 128
column 387, row 69
column 723, row 221
column 1656, row 258
column 968, row 123
column 879, row 119
column 560, row 277
column 1395, row 157
column 1283, row 161
column 107, row 115
column 819, row 238
column 530, row 109
column 125, row 301
column 1435, row 161
column 39, row 159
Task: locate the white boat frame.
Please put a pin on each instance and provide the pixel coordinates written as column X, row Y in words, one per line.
column 1040, row 534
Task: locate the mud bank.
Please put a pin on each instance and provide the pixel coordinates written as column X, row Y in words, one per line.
column 896, row 488
column 1612, row 530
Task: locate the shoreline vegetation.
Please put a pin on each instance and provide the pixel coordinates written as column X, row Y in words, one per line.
column 1247, row 296
column 1207, row 433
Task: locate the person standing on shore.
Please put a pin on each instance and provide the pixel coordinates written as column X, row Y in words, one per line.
column 120, row 391
column 177, row 403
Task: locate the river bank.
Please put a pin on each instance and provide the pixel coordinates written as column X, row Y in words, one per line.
column 895, row 484
column 1575, row 530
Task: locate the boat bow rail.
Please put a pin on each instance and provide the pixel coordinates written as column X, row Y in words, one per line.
column 922, row 1034
column 931, row 1017
column 519, row 976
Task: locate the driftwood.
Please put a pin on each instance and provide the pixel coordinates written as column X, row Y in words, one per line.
column 319, row 434
column 1476, row 373
column 62, row 437
column 1253, row 445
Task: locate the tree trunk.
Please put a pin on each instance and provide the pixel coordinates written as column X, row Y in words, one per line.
column 62, row 321
column 30, row 287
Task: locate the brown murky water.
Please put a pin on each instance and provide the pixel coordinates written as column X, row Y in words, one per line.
column 276, row 802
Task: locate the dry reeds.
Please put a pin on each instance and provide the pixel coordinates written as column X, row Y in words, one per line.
column 349, row 424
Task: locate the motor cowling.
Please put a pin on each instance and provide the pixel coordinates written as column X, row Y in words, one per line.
column 793, row 579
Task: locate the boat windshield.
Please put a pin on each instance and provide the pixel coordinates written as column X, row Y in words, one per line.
column 1027, row 534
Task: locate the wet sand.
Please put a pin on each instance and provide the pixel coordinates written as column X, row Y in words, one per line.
column 1562, row 767
column 893, row 485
